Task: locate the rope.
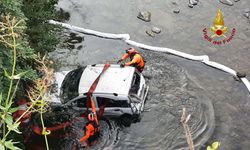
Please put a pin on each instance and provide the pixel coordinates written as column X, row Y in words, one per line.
column 126, row 38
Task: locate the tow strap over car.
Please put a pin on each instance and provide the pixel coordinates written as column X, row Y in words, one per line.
column 93, row 87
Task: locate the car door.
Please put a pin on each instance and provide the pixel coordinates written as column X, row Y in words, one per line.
column 113, row 107
column 79, row 103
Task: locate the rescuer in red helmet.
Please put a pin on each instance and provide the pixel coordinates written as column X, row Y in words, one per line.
column 136, row 60
column 92, row 130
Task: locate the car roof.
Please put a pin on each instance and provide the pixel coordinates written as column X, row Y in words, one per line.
column 114, row 80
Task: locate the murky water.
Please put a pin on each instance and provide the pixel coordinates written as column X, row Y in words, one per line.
column 219, row 105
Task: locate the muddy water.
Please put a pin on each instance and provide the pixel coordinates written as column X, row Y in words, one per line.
column 219, row 105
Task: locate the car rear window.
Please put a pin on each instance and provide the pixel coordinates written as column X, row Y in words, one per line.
column 70, row 84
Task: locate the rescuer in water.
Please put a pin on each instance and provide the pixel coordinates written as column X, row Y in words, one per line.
column 92, row 130
column 136, row 60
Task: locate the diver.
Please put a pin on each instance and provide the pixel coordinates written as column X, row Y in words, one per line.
column 92, row 130
column 136, row 60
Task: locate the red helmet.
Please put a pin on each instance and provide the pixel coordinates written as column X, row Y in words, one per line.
column 91, row 116
column 131, row 51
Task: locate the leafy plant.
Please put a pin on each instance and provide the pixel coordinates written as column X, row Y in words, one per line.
column 214, row 146
column 10, row 36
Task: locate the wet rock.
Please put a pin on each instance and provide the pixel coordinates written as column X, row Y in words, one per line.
column 73, row 41
column 63, row 15
column 241, row 74
column 174, row 2
column 150, row 33
column 227, row 2
column 144, row 15
column 70, row 46
column 177, row 10
column 156, row 30
column 79, row 47
column 246, row 13
column 190, row 5
column 72, row 34
column 193, row 2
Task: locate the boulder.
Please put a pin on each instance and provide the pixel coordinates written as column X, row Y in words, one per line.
column 193, row 2
column 246, row 12
column 145, row 16
column 190, row 5
column 150, row 33
column 227, row 2
column 156, row 30
column 177, row 10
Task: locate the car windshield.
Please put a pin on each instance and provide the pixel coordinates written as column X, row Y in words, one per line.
column 70, row 84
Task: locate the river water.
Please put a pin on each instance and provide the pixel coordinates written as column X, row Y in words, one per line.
column 219, row 105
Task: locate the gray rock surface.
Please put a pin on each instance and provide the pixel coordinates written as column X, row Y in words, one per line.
column 227, row 2
column 145, row 16
column 236, row 0
column 156, row 30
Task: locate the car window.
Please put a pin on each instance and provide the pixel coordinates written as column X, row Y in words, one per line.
column 81, row 102
column 70, row 84
column 135, row 83
column 107, row 102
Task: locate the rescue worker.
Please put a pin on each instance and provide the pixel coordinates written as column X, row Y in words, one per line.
column 136, row 60
column 92, row 130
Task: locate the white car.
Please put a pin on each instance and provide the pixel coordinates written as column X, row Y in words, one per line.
column 122, row 91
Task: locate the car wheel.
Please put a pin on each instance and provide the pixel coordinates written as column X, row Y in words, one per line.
column 126, row 120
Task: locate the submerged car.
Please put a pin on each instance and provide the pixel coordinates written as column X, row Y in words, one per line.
column 122, row 91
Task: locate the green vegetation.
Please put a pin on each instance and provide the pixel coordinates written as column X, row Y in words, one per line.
column 23, row 33
column 42, row 35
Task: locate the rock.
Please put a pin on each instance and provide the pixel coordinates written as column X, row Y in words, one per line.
column 150, row 33
column 174, row 2
column 190, row 5
column 79, row 47
column 227, row 2
column 144, row 15
column 177, row 10
column 156, row 30
column 236, row 0
column 246, row 15
column 193, row 2
column 241, row 74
